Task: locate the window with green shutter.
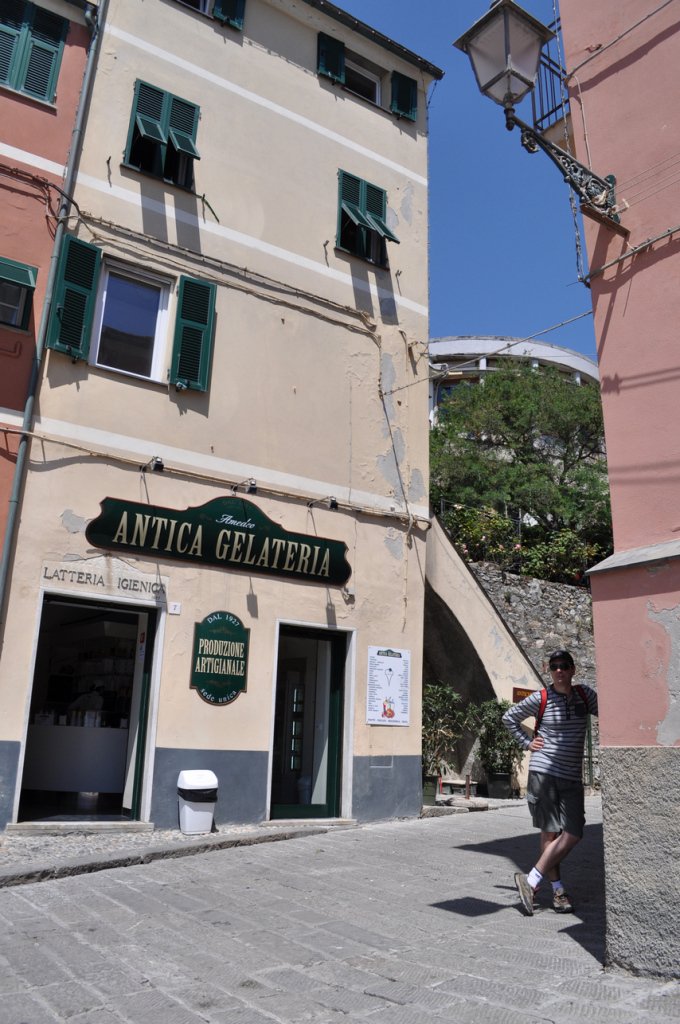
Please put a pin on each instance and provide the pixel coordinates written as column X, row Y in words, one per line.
column 194, row 324
column 17, row 284
column 117, row 316
column 162, row 135
column 362, row 225
column 230, row 12
column 331, row 58
column 31, row 44
column 404, row 96
column 74, row 297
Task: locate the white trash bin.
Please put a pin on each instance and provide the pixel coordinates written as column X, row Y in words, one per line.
column 197, row 793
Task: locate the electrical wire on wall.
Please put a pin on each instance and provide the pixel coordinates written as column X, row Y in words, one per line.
column 580, row 270
column 488, row 355
column 669, row 164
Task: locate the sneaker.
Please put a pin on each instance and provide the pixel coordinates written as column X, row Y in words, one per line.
column 526, row 893
column 562, row 903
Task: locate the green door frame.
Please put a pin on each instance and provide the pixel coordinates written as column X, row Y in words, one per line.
column 330, row 809
column 144, row 696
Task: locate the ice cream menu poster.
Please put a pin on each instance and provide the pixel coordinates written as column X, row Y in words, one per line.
column 388, row 691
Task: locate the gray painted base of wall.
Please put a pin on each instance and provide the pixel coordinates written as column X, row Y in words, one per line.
column 387, row 787
column 641, row 811
column 9, row 762
column 242, row 790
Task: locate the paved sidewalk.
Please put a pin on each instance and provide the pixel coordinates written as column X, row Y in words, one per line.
column 412, row 922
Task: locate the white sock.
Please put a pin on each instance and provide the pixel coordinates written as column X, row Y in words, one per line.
column 534, row 878
column 557, row 885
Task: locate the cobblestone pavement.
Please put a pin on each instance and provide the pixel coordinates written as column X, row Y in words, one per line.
column 411, row 922
column 17, row 849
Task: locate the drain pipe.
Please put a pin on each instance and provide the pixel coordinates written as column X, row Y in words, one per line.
column 94, row 18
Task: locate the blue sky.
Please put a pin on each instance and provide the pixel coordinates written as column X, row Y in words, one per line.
column 502, row 252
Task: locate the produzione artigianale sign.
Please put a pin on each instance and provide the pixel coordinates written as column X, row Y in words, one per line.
column 220, row 659
column 227, row 532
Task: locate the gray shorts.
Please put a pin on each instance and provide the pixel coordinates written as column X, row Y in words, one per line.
column 556, row 804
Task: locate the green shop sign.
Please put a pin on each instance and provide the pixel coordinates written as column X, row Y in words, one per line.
column 228, row 532
column 220, row 664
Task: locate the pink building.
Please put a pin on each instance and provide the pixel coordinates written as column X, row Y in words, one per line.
column 43, row 50
column 624, row 97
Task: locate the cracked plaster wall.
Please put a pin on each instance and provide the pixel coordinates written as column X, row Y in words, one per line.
column 641, row 809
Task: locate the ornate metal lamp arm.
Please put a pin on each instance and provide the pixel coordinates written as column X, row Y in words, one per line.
column 593, row 190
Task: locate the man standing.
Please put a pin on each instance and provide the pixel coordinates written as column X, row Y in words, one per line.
column 555, row 786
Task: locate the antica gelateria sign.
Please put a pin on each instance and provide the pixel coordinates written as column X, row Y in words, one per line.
column 220, row 664
column 227, row 532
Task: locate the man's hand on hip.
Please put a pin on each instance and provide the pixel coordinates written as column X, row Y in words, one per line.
column 536, row 743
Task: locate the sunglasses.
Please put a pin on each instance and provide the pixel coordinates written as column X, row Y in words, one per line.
column 557, row 665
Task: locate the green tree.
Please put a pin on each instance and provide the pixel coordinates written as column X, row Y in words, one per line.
column 446, row 718
column 525, row 446
column 498, row 750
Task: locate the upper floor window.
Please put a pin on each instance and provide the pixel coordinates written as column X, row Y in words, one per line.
column 162, row 135
column 31, row 45
column 17, row 284
column 362, row 77
column 131, row 322
column 229, row 12
column 118, row 317
column 361, row 81
column 362, row 227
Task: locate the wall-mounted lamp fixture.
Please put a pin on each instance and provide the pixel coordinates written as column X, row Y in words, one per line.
column 329, row 502
column 156, row 465
column 250, row 486
column 504, row 48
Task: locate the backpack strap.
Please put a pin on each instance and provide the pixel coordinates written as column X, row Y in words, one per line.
column 539, row 716
column 582, row 694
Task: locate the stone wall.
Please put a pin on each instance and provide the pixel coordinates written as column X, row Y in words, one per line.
column 545, row 617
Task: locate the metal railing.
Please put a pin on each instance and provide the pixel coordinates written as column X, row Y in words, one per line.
column 549, row 105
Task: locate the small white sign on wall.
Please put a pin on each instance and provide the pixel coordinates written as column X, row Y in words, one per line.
column 388, row 686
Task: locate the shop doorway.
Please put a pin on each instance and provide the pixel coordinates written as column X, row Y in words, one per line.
column 86, row 735
column 308, row 723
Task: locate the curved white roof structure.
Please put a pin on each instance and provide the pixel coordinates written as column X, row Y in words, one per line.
column 469, row 356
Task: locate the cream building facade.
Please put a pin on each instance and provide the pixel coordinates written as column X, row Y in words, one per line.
column 221, row 557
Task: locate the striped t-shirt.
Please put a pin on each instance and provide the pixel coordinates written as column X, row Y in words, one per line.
column 563, row 727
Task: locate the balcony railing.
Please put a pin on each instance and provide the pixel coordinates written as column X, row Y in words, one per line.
column 549, row 105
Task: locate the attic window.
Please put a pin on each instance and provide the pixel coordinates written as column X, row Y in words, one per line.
column 362, row 82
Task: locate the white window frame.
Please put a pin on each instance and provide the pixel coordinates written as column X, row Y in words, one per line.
column 167, row 286
column 205, row 8
column 366, row 74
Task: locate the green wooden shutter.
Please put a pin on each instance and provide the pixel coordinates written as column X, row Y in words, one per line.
column 376, row 205
column 182, row 127
column 404, row 96
column 230, row 12
column 331, row 58
column 74, row 298
column 18, row 273
column 12, row 18
column 40, row 64
column 147, row 113
column 193, row 334
column 352, row 199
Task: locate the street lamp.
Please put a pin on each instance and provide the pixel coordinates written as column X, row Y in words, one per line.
column 504, row 47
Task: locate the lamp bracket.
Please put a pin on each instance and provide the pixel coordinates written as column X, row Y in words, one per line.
column 594, row 191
